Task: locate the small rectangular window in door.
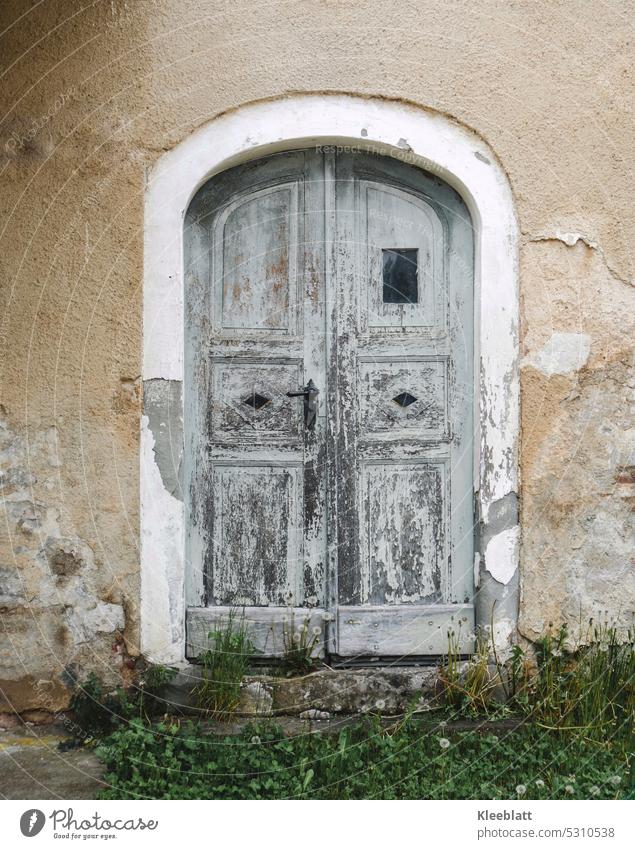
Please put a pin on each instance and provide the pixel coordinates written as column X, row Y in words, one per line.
column 400, row 275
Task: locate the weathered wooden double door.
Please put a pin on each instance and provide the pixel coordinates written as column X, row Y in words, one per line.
column 330, row 404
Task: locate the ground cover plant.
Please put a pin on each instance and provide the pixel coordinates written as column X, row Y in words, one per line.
column 364, row 761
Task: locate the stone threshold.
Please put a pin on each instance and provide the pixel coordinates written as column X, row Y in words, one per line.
column 325, row 694
column 320, row 695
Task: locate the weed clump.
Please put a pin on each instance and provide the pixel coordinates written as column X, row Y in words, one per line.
column 300, row 643
column 225, row 664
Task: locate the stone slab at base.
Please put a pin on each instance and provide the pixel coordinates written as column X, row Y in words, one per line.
column 327, row 692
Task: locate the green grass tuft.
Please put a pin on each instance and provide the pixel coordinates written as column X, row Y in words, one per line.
column 224, row 666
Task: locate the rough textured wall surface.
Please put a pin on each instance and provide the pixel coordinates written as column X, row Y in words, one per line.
column 94, row 92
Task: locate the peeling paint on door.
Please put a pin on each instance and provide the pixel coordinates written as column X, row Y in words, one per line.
column 288, row 282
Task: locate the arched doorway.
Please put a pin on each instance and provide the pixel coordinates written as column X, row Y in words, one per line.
column 171, row 582
column 329, row 370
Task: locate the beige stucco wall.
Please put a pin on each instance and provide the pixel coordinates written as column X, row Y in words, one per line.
column 92, row 97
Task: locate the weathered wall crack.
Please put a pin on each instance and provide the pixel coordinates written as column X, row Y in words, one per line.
column 571, row 239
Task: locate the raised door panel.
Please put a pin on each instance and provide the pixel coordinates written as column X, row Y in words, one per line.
column 256, row 242
column 403, row 532
column 249, row 402
column 404, row 399
column 400, row 262
column 258, row 540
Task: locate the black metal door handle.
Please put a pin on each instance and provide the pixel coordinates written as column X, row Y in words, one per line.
column 309, row 393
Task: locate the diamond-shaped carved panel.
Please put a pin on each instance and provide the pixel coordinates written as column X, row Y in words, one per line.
column 404, row 399
column 248, row 401
column 256, row 401
column 406, row 396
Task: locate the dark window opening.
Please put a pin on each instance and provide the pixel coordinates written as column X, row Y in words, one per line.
column 401, row 275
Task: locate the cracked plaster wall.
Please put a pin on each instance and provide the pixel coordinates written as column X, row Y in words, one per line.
column 94, row 93
column 578, row 456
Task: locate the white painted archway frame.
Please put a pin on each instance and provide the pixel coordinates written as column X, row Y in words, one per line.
column 419, row 137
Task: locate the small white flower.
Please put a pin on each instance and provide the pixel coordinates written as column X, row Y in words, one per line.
column 520, row 789
column 615, row 780
column 297, row 636
column 317, row 631
column 256, row 740
column 312, row 600
column 540, row 783
column 595, row 790
column 380, row 704
column 569, row 789
column 444, row 743
column 443, row 723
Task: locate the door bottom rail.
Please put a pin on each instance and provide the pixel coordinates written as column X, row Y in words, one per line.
column 356, row 635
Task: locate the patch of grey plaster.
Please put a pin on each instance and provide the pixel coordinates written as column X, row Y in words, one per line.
column 162, row 405
column 496, row 570
column 13, row 479
column 12, row 590
column 75, row 577
column 564, row 353
column 480, row 156
column 97, row 618
column 502, row 515
column 24, row 511
column 498, row 606
column 364, row 132
column 403, row 144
